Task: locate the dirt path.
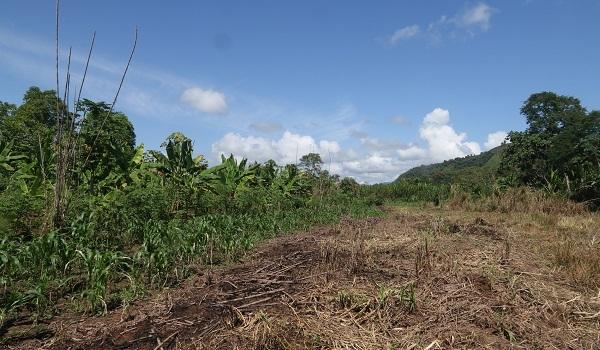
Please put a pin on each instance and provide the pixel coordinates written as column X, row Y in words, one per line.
column 426, row 279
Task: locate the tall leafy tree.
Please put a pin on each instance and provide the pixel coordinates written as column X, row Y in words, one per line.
column 311, row 163
column 32, row 123
column 549, row 113
column 560, row 145
column 107, row 140
column 6, row 110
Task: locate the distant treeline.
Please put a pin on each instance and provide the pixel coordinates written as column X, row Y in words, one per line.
column 559, row 153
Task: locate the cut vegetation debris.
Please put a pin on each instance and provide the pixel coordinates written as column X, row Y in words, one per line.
column 416, row 279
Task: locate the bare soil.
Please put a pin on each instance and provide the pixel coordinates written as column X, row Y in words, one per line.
column 416, row 279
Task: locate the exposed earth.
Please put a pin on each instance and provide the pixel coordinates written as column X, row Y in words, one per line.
column 418, row 278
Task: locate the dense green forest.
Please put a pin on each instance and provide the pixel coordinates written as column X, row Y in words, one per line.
column 472, row 169
column 90, row 221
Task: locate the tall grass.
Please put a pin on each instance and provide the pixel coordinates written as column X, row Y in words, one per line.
column 515, row 199
column 406, row 191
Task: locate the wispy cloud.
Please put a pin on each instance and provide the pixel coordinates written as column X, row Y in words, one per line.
column 473, row 19
column 149, row 92
column 266, row 126
column 478, row 16
column 404, row 33
column 401, row 120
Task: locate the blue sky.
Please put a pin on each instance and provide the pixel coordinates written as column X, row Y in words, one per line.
column 376, row 88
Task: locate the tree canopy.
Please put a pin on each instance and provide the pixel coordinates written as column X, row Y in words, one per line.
column 311, row 163
column 560, row 149
column 107, row 140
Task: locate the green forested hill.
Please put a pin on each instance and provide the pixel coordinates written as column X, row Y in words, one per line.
column 467, row 170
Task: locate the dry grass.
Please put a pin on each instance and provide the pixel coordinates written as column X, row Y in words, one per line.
column 418, row 279
column 516, row 200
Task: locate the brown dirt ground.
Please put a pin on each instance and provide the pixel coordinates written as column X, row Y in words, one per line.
column 416, row 279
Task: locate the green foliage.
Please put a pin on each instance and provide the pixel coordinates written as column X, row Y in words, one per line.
column 559, row 151
column 406, row 191
column 311, row 163
column 179, row 159
column 234, row 177
column 470, row 171
column 30, row 124
column 7, row 110
column 136, row 219
column 107, row 141
column 349, row 186
column 7, row 158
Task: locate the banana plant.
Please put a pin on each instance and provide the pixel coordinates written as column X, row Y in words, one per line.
column 179, row 159
column 7, row 159
column 291, row 182
column 132, row 171
column 234, row 176
column 28, row 179
column 267, row 173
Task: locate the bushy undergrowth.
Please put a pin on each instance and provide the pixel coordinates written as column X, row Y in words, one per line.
column 118, row 246
column 136, row 220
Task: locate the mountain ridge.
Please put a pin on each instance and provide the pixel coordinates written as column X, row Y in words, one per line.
column 471, row 169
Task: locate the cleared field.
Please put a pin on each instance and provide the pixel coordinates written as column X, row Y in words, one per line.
column 419, row 278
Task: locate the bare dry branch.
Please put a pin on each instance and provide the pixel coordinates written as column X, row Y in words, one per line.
column 116, row 97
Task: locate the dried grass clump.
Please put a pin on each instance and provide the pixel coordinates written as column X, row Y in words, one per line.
column 516, row 200
column 580, row 260
column 578, row 223
column 264, row 332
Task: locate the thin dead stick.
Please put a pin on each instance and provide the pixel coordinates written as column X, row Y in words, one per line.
column 280, row 272
column 57, row 78
column 587, row 315
column 254, row 296
column 256, row 302
column 264, row 267
column 58, row 187
column 170, row 320
column 317, row 274
column 87, row 63
column 67, row 80
column 430, row 346
column 76, row 107
column 141, row 338
column 160, row 344
column 112, row 106
column 231, row 284
column 41, row 158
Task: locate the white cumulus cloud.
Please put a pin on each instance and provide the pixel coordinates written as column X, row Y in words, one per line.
column 372, row 159
column 285, row 150
column 207, row 101
column 438, row 116
column 495, row 139
column 443, row 141
column 412, row 153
